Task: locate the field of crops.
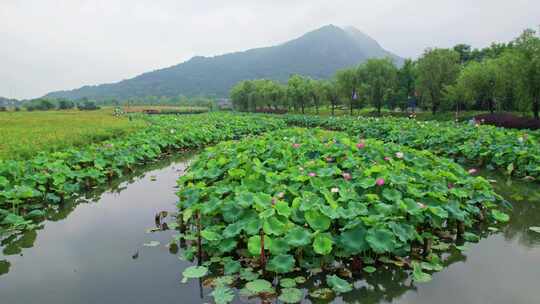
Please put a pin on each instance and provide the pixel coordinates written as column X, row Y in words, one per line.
column 164, row 109
column 23, row 134
column 273, row 202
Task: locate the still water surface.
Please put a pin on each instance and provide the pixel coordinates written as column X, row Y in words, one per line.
column 93, row 252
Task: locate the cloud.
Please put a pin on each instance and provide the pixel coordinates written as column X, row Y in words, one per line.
column 48, row 45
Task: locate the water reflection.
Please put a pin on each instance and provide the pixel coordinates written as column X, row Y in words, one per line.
column 15, row 243
column 95, row 255
column 525, row 198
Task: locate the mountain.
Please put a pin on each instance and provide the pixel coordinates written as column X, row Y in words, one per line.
column 318, row 54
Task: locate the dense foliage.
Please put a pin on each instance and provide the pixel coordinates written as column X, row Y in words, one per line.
column 27, row 187
column 502, row 77
column 298, row 199
column 514, row 152
column 88, row 105
column 46, row 104
column 435, row 70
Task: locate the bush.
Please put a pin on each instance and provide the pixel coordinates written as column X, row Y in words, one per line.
column 88, row 106
column 40, row 105
column 65, row 104
column 3, row 109
column 508, row 120
column 271, row 111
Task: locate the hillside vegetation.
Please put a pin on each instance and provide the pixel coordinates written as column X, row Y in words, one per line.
column 318, row 54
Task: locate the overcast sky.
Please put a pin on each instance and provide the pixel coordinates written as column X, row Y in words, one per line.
column 48, row 45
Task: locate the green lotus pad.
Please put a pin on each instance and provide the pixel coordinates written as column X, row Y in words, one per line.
column 315, row 197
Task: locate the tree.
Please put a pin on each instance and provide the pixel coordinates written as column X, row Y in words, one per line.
column 492, row 51
column 273, row 93
column 406, row 78
column 64, row 104
column 436, row 69
column 299, row 91
column 479, row 81
column 454, row 95
column 348, row 84
column 257, row 97
column 87, row 105
column 464, row 51
column 528, row 48
column 405, row 85
column 332, row 93
column 317, row 93
column 509, row 71
column 40, row 105
column 379, row 77
column 240, row 95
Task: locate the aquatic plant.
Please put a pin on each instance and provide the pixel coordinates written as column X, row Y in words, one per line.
column 279, row 203
column 514, row 152
column 27, row 187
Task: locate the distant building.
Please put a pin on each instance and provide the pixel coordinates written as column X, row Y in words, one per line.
column 224, row 103
column 5, row 102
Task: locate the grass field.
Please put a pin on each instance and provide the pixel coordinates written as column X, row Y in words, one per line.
column 141, row 108
column 24, row 134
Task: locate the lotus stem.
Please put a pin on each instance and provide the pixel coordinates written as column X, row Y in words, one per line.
column 199, row 239
column 460, row 228
column 263, row 257
column 356, row 264
column 482, row 214
column 428, row 243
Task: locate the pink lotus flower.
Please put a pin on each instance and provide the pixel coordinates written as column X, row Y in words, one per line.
column 296, row 146
column 386, row 158
column 450, row 185
column 335, row 190
column 329, row 159
column 361, row 145
column 273, row 201
column 346, row 176
column 281, row 195
column 472, row 171
column 399, row 154
column 421, row 205
column 312, row 174
column 379, row 181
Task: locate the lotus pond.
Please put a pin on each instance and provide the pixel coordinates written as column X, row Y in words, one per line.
column 292, row 215
column 93, row 252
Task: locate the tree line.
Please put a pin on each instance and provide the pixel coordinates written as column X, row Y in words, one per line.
column 46, row 104
column 501, row 77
